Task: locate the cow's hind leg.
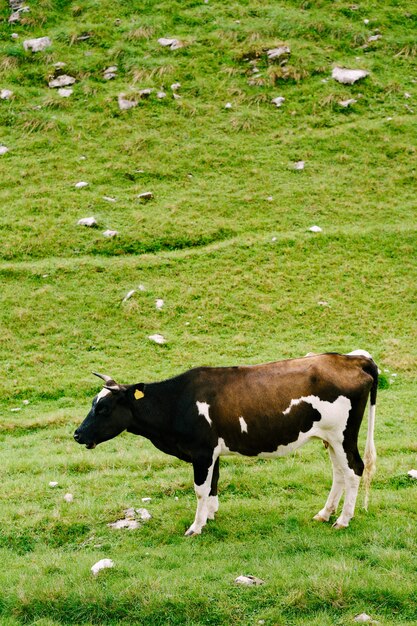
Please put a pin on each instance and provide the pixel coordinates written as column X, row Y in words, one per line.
column 213, row 500
column 336, row 490
column 353, row 470
column 203, row 475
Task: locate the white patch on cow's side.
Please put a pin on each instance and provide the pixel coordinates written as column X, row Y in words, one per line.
column 243, row 425
column 360, row 353
column 203, row 409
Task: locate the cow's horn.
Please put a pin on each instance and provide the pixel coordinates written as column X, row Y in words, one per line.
column 110, row 383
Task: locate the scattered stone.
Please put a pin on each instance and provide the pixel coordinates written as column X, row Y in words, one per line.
column 14, row 36
column 130, row 524
column 348, row 77
column 159, row 304
column 110, row 233
column 53, row 484
column 141, row 288
column 347, row 103
column 37, row 45
column 16, row 409
column 145, row 93
column 366, row 21
column 129, row 295
column 407, row 95
column 270, row 198
column 26, row 402
column 110, row 72
column 278, row 53
column 315, row 229
column 322, row 303
column 228, row 105
column 175, row 86
column 172, row 44
column 3, row 150
column 87, row 221
column 69, row 497
column 103, row 564
column 146, row 195
column 81, row 184
column 17, row 8
column 61, row 81
column 146, row 499
column 249, row 580
column 412, row 473
column 161, row 95
column 278, row 101
column 6, row 94
column 160, row 339
column 59, row 65
column 374, row 38
column 299, row 165
column 363, row 617
column 65, row 92
column 109, row 199
column 124, row 103
column 144, row 514
column 176, row 96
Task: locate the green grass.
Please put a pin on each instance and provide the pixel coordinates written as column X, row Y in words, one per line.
column 225, row 243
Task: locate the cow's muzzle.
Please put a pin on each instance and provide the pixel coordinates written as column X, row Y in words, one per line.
column 78, row 438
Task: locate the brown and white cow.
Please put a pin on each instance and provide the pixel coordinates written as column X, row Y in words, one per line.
column 258, row 410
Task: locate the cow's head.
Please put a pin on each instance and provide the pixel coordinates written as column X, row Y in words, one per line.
column 109, row 415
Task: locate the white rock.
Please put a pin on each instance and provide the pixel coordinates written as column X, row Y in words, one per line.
column 347, row 103
column 366, row 21
column 412, row 473
column 110, row 233
column 146, row 499
column 176, row 96
column 270, row 198
column 37, row 45
column 129, row 295
column 87, row 221
column 249, row 580
column 276, row 53
column 144, row 514
column 81, row 184
column 130, row 524
column 172, row 44
column 141, row 288
column 278, row 101
column 110, row 72
column 363, row 617
column 53, row 483
column 26, row 402
column 146, row 195
column 175, row 86
column 3, row 150
column 228, row 105
column 159, row 304
column 299, row 165
column 16, row 409
column 145, row 93
column 6, row 94
column 61, row 81
column 65, row 92
column 69, row 497
column 161, row 95
column 315, row 229
column 109, row 199
column 103, row 564
column 322, row 303
column 59, row 65
column 124, row 103
column 348, row 77
column 374, row 38
column 14, row 36
column 407, row 95
column 157, row 338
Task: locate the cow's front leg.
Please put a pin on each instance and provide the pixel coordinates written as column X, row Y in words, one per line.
column 203, row 474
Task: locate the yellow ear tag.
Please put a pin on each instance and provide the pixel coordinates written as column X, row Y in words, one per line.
column 139, row 394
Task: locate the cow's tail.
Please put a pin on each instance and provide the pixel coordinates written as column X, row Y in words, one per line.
column 370, row 450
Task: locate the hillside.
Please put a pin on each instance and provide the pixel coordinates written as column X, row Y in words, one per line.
column 231, row 120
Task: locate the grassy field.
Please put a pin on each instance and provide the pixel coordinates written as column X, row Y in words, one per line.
column 225, row 242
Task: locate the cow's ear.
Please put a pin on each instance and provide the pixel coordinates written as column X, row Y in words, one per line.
column 138, row 391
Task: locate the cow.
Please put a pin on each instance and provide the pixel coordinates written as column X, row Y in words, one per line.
column 263, row 411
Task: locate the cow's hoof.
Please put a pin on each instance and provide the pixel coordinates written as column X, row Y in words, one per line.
column 320, row 518
column 190, row 533
column 339, row 526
